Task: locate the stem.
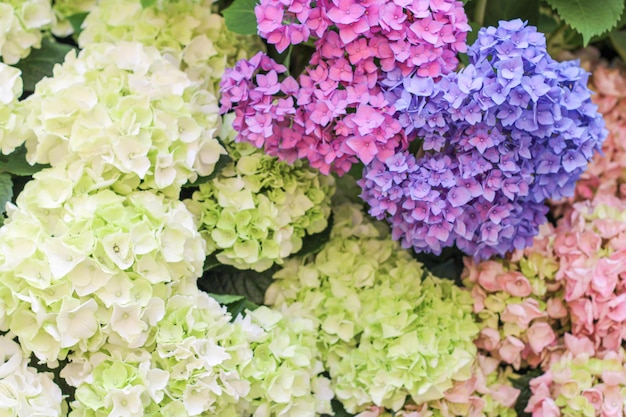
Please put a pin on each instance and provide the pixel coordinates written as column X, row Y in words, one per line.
column 287, row 61
column 479, row 12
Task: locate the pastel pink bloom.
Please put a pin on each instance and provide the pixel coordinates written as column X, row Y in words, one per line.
column 346, row 12
column 488, row 275
column 510, row 351
column 604, row 277
column 461, row 391
column 373, row 411
column 579, row 345
column 546, row 407
column 556, row 308
column 522, row 313
column 594, row 397
column 515, row 283
column 505, row 395
column 488, row 339
column 617, row 308
column 540, row 335
column 613, row 404
column 581, row 312
column 364, row 147
column 540, row 404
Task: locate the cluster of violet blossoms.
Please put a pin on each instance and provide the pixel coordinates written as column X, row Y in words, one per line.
column 335, row 113
column 513, row 128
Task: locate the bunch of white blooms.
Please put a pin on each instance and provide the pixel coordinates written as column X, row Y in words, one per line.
column 127, row 111
column 80, row 268
column 21, row 25
column 24, row 392
column 189, row 31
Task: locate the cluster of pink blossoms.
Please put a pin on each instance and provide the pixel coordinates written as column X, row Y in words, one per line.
column 334, row 114
column 562, row 298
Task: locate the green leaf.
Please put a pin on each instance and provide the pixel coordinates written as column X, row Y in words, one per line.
column 226, row 299
column 511, row 9
column 618, row 39
column 314, row 243
column 76, row 20
column 522, row 384
column 15, row 163
column 40, row 62
column 235, row 304
column 6, row 193
column 588, row 17
column 219, row 166
column 240, row 17
column 147, row 3
column 231, row 281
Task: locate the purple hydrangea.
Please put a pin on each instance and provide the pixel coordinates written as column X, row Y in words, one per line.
column 508, row 131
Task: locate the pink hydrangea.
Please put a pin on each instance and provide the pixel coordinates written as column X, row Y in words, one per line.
column 581, row 382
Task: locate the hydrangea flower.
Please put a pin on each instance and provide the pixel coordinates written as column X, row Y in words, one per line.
column 335, row 114
column 488, row 393
column 188, row 31
column 128, row 112
column 285, row 369
column 518, row 304
column 24, row 392
column 582, row 382
column 189, row 368
column 21, row 26
column 510, row 130
column 257, row 209
column 11, row 121
column 81, row 265
column 387, row 328
column 63, row 10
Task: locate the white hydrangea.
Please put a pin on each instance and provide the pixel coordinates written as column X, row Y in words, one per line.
column 21, row 26
column 189, row 369
column 189, row 31
column 12, row 123
column 82, row 265
column 127, row 111
column 285, row 373
column 24, row 392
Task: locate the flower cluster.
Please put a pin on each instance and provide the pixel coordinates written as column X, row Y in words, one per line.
column 191, row 371
column 607, row 172
column 129, row 113
column 11, row 121
column 513, row 128
column 517, row 304
column 187, row 31
column 81, row 265
column 387, row 328
column 285, row 371
column 21, row 25
column 24, row 391
column 488, row 393
column 335, row 113
column 64, row 10
column 581, row 382
column 256, row 211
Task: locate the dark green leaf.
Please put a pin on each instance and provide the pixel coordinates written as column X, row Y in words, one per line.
column 15, row 163
column 240, row 17
column 40, row 62
column 314, row 243
column 229, row 280
column 588, row 17
column 147, row 3
column 219, row 166
column 210, row 262
column 240, row 307
column 511, row 9
column 618, row 39
column 522, row 384
column 338, row 410
column 226, row 299
column 6, row 193
column 76, row 20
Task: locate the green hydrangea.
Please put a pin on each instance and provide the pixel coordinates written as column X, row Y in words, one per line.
column 189, row 31
column 257, row 209
column 285, row 371
column 387, row 328
column 80, row 267
column 129, row 113
column 192, row 368
column 21, row 26
column 24, row 392
column 63, row 9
